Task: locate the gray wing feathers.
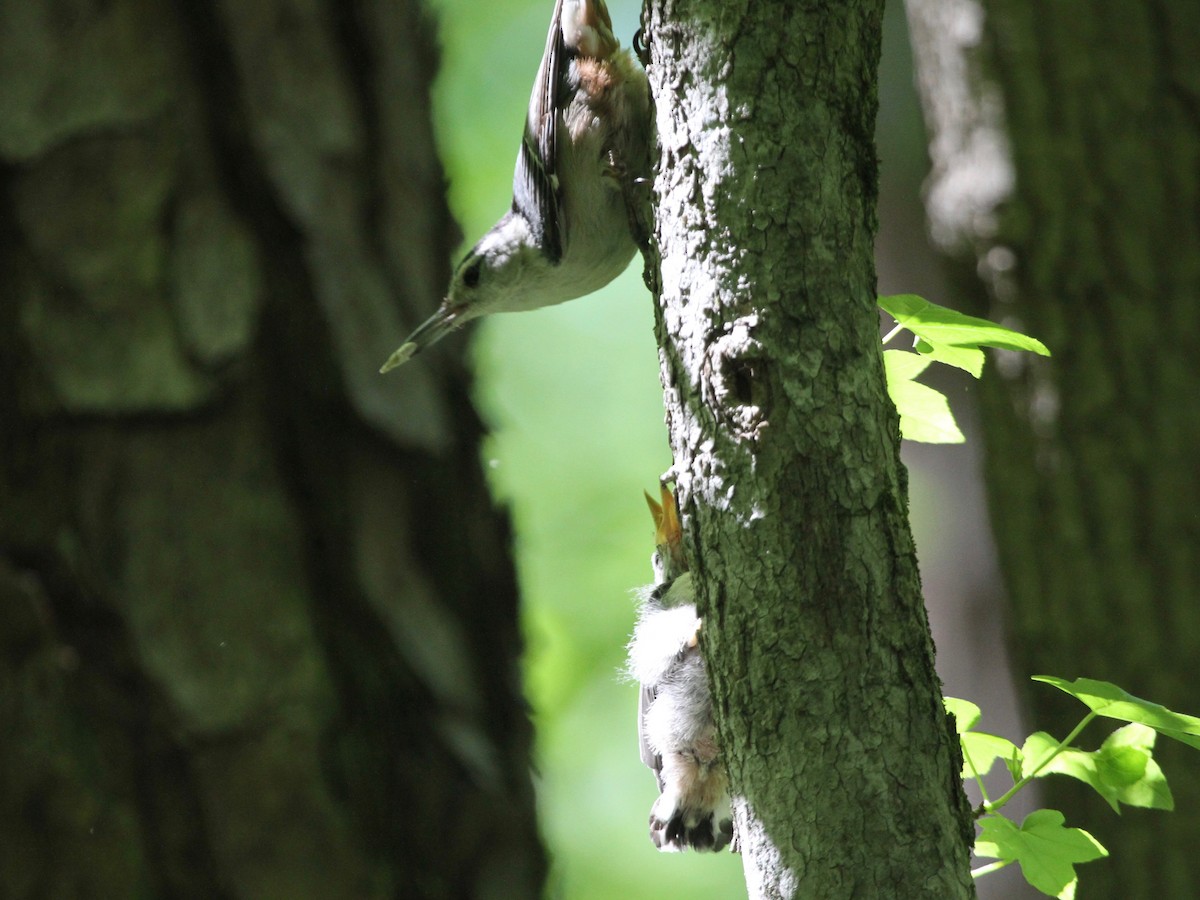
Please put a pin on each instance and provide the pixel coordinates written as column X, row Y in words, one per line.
column 649, row 757
column 535, row 182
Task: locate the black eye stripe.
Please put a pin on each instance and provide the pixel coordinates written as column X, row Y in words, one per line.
column 470, row 276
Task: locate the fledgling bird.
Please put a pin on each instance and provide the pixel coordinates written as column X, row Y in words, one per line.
column 586, row 144
column 675, row 720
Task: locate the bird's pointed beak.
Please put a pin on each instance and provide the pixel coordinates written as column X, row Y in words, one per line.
column 432, row 330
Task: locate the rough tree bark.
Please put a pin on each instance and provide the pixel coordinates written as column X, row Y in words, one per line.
column 257, row 617
column 844, row 765
column 1065, row 141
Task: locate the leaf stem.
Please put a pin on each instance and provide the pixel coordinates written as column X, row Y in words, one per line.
column 891, row 334
column 990, row 868
column 974, row 773
column 1062, row 745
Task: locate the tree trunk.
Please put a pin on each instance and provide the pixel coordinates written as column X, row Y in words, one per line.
column 1066, row 194
column 843, row 764
column 257, row 618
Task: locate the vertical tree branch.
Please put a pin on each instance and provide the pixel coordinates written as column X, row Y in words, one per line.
column 843, row 766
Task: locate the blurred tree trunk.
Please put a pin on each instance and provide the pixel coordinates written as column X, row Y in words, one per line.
column 1066, row 194
column 843, row 763
column 257, row 616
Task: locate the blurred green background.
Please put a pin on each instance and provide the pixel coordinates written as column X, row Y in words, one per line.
column 572, row 396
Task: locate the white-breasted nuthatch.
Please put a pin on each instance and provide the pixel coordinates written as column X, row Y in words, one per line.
column 675, row 719
column 587, row 142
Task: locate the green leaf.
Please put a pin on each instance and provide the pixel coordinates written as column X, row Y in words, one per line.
column 902, row 365
column 1039, row 745
column 1047, row 851
column 1123, row 770
column 937, row 325
column 966, row 714
column 995, row 837
column 924, row 413
column 1126, row 762
column 1072, row 762
column 1015, row 763
column 1108, row 700
column 1122, row 766
column 969, row 359
column 980, row 749
column 984, row 749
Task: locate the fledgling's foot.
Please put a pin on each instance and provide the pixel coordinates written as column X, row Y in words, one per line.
column 675, row 827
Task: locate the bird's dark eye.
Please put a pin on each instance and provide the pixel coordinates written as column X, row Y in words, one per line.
column 470, row 275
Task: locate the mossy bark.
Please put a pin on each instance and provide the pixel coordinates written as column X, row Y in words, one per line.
column 258, row 627
column 1066, row 195
column 843, row 763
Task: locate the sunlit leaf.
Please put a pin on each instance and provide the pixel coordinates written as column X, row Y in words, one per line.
column 1071, row 761
column 969, row 359
column 966, row 714
column 924, row 412
column 1116, row 703
column 1123, row 770
column 980, row 750
column 1121, row 766
column 1046, row 850
column 1129, row 752
column 937, row 325
column 902, row 365
column 984, row 749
